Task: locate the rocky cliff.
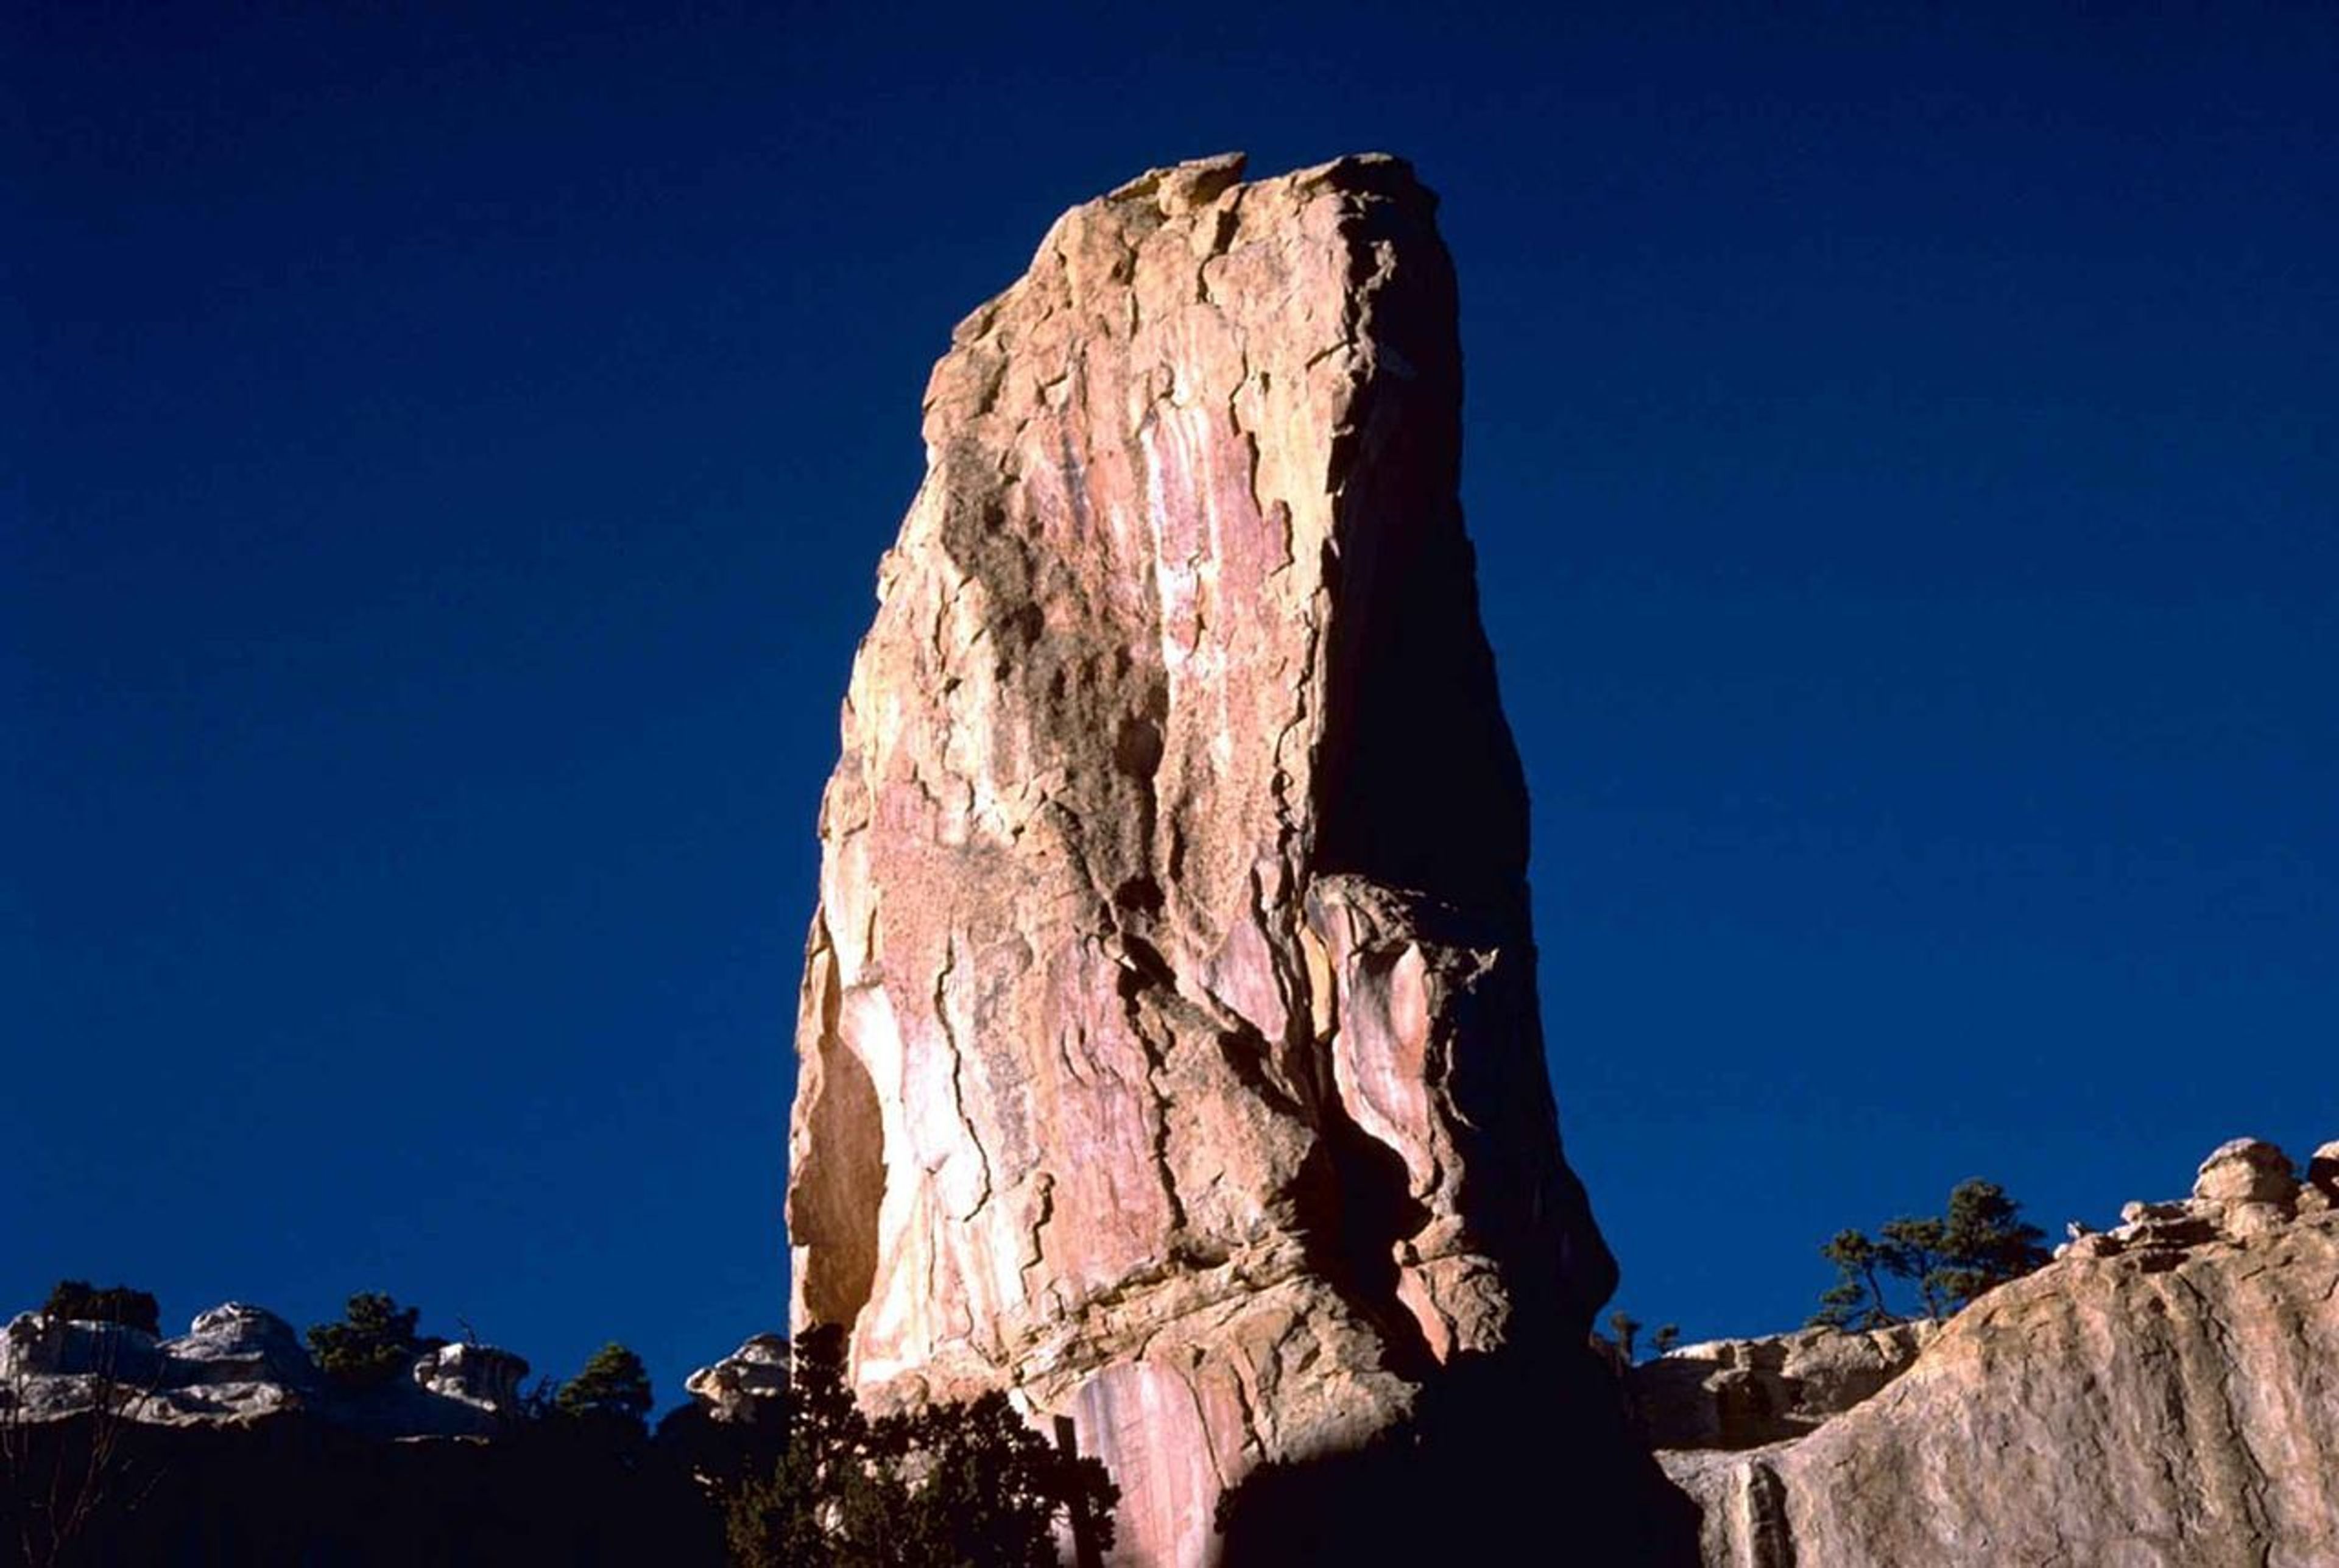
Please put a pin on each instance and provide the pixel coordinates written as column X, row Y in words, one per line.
column 226, row 1446
column 1168, row 1044
column 2167, row 1393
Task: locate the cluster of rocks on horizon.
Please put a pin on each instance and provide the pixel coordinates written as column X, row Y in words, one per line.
column 238, row 1364
column 2247, row 1187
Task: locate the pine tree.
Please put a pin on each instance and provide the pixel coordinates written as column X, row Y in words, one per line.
column 373, row 1343
column 1912, row 1251
column 614, row 1388
column 1856, row 1299
column 1985, row 1242
column 1948, row 1260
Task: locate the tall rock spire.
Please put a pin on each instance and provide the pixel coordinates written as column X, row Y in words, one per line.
column 1169, row 1038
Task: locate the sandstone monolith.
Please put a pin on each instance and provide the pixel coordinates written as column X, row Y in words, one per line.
column 1168, row 1044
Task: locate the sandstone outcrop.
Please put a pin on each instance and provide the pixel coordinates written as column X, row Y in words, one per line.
column 240, row 1365
column 2167, row 1393
column 1744, row 1392
column 749, row 1385
column 1168, row 1044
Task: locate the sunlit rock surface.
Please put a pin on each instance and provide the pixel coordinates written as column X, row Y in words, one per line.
column 748, row 1385
column 1169, row 1038
column 242, row 1365
column 2164, row 1395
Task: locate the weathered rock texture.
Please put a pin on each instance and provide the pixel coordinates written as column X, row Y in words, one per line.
column 2165, row 1395
column 1743, row 1392
column 1169, row 1038
column 239, row 1364
column 748, row 1385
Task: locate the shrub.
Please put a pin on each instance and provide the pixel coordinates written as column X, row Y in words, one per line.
column 952, row 1485
column 373, row 1343
column 614, row 1388
column 1625, row 1328
column 1948, row 1260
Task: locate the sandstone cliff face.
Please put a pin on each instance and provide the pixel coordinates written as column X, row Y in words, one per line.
column 2167, row 1395
column 1169, row 1038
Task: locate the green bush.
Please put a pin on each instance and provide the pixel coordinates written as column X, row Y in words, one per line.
column 614, row 1386
column 374, row 1342
column 85, row 1303
column 1948, row 1260
column 955, row 1485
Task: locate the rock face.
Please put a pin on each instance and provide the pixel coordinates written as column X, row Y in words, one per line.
column 1169, row 1038
column 2167, row 1393
column 1744, row 1392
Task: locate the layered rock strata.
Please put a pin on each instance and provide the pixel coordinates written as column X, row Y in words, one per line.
column 2167, row 1393
column 1169, row 1046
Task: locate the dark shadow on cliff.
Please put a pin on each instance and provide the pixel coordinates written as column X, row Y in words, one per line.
column 1355, row 1208
column 1500, row 1459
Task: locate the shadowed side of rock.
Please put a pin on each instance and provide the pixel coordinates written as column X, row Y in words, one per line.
column 293, row 1490
column 1170, row 1045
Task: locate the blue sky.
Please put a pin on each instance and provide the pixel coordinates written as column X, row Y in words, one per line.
column 456, row 446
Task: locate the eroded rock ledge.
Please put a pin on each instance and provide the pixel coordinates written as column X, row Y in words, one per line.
column 238, row 1365
column 1745, row 1393
column 1168, row 1041
column 2167, row 1393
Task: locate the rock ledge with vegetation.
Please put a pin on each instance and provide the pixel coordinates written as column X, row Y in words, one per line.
column 2166, row 1393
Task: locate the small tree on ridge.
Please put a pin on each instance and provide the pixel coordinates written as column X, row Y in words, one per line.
column 1948, row 1260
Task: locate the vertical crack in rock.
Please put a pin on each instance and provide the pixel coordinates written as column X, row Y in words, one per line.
column 1184, row 844
column 968, row 1140
column 1771, row 1541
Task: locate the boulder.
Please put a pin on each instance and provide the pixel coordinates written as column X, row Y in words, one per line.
column 2321, row 1189
column 750, row 1384
column 2247, row 1170
column 237, row 1343
column 36, row 1345
column 479, row 1375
